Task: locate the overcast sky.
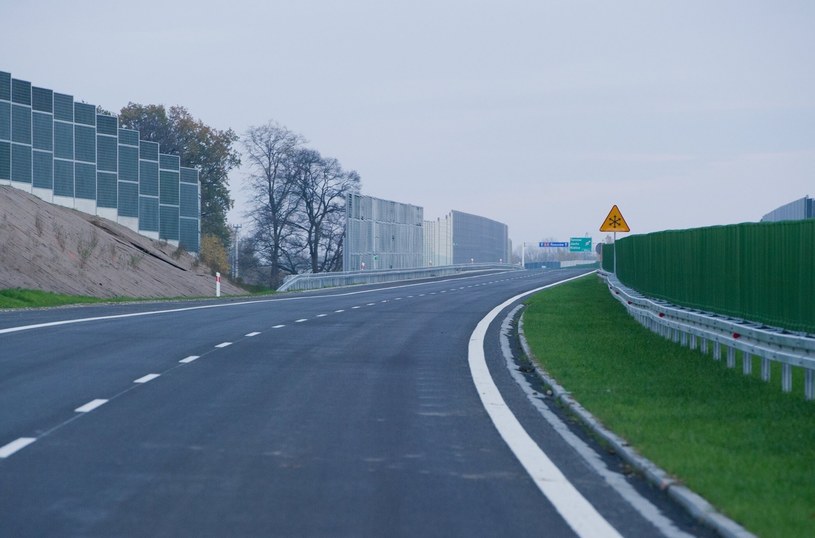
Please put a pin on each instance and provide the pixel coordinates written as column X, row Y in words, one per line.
column 538, row 113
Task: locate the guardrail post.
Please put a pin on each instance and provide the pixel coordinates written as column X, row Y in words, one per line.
column 683, row 338
column 693, row 342
column 703, row 346
column 786, row 377
column 746, row 363
column 717, row 351
column 731, row 357
column 765, row 369
column 809, row 384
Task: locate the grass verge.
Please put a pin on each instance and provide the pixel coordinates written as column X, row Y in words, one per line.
column 744, row 445
column 22, row 298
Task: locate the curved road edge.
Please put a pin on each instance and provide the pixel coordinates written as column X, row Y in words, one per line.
column 578, row 513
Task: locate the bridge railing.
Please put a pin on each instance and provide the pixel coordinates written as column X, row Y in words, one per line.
column 313, row 281
column 718, row 334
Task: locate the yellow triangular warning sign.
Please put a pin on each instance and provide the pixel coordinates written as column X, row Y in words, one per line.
column 614, row 222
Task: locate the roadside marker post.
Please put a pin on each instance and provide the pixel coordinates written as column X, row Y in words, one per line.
column 217, row 284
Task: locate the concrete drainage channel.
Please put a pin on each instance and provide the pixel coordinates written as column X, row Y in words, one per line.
column 697, row 506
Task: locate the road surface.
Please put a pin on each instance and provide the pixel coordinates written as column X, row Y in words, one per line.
column 348, row 412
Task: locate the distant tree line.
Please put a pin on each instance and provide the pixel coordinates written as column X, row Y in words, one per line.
column 297, row 195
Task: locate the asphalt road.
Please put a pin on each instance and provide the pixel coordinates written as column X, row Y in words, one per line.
column 340, row 413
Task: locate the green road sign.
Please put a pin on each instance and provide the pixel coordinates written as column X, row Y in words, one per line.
column 580, row 244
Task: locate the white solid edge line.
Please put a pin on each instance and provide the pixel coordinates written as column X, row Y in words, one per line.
column 147, row 378
column 189, row 359
column 617, row 481
column 90, row 406
column 18, row 444
column 578, row 513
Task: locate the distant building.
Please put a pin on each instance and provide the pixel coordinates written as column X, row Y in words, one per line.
column 65, row 153
column 438, row 241
column 803, row 208
column 460, row 237
column 381, row 234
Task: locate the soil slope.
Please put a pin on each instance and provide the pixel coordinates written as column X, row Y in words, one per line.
column 52, row 248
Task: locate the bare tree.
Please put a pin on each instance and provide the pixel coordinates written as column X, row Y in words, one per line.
column 298, row 204
column 322, row 187
column 333, row 232
column 270, row 152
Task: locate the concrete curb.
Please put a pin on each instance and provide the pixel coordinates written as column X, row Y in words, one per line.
column 698, row 507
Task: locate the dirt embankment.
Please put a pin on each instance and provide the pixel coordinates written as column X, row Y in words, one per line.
column 52, row 248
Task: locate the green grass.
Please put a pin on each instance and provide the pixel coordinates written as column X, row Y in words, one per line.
column 741, row 443
column 22, row 298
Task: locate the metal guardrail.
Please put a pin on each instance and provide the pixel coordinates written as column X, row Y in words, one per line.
column 314, row 281
column 703, row 331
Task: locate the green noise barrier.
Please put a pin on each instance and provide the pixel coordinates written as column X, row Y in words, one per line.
column 760, row 272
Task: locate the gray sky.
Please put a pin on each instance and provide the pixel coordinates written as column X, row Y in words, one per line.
column 538, row 113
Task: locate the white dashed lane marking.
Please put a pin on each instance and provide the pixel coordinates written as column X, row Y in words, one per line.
column 90, row 406
column 14, row 446
column 147, row 378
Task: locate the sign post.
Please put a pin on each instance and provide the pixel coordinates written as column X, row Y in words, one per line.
column 615, row 223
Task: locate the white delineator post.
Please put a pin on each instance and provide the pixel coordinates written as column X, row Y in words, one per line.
column 217, row 284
